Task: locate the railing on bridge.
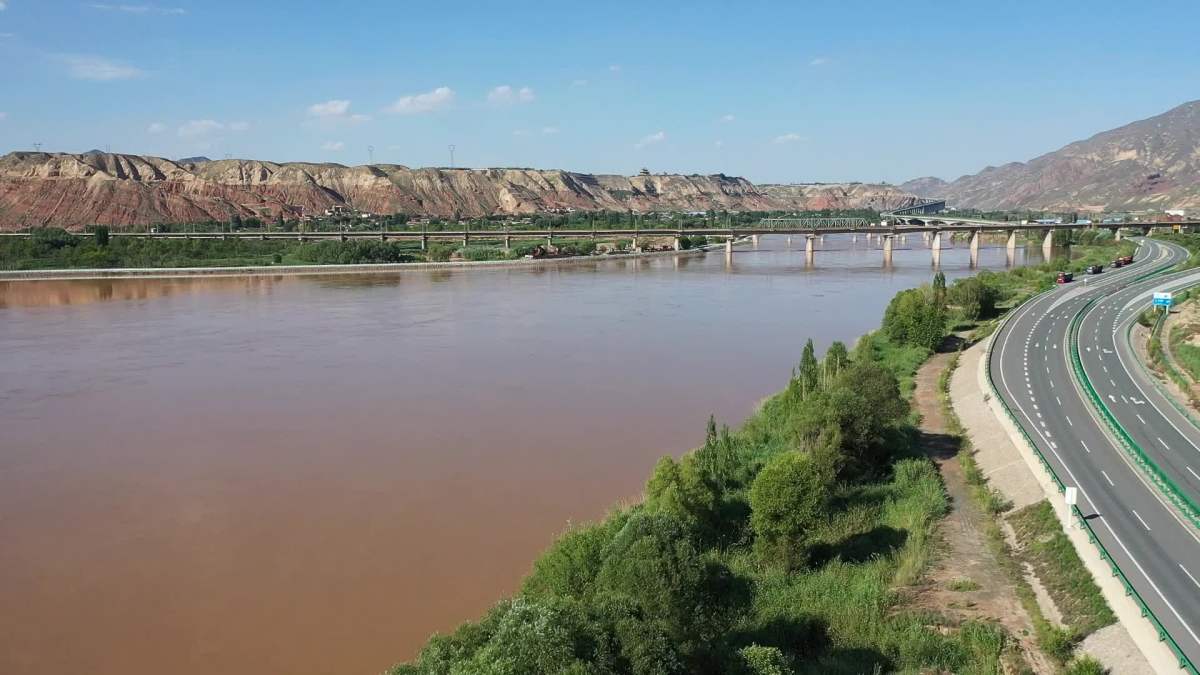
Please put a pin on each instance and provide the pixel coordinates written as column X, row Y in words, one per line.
column 814, row 223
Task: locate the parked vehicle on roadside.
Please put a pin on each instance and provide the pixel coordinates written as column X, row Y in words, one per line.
column 1125, row 260
column 1117, row 262
column 1095, row 269
column 1065, row 278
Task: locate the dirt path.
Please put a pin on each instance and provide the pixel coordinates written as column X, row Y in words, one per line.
column 967, row 581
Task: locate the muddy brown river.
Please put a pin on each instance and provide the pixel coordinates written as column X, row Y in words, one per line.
column 310, row 475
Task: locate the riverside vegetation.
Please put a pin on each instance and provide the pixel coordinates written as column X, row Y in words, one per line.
column 786, row 546
column 51, row 248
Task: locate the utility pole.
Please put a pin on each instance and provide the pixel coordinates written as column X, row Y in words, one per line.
column 37, row 147
column 451, row 156
column 371, row 153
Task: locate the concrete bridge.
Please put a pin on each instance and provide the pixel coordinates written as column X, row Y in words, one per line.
column 922, row 219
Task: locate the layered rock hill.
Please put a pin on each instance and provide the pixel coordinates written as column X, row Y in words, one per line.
column 68, row 190
column 1151, row 164
column 821, row 196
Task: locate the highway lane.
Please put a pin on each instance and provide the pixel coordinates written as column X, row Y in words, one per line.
column 1031, row 367
column 1144, row 411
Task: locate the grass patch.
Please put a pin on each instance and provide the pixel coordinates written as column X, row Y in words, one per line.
column 963, row 585
column 1048, row 550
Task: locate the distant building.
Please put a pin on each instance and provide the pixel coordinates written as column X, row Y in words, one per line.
column 1176, row 212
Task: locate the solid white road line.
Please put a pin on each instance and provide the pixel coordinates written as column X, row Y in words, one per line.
column 1105, row 474
column 1192, row 472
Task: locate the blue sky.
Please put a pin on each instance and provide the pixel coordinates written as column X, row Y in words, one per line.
column 776, row 92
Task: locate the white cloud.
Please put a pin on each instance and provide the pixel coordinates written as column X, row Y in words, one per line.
column 5, row 36
column 719, row 144
column 138, row 9
column 787, row 138
column 549, row 130
column 819, row 61
column 3, row 116
column 614, row 68
column 422, row 103
column 506, row 95
column 3, row 5
column 727, row 118
column 196, row 128
column 520, row 132
column 333, row 146
column 333, row 108
column 239, row 126
column 579, row 83
column 358, row 118
column 98, row 68
column 656, row 137
column 156, row 128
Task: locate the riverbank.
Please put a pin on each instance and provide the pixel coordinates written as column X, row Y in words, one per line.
column 311, row 270
column 797, row 543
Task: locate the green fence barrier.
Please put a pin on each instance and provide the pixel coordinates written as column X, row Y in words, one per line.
column 1184, row 662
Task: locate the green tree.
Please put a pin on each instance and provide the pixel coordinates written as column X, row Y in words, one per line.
column 789, row 496
column 939, row 290
column 100, row 235
column 836, row 358
column 693, row 599
column 809, row 370
column 569, row 567
column 760, row 660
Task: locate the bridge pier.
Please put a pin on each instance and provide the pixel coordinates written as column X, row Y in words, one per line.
column 507, row 242
column 1116, row 234
column 809, row 249
column 935, row 244
column 1048, row 244
column 975, row 237
column 678, row 243
column 887, row 249
column 754, row 240
column 424, row 242
column 634, row 245
column 729, row 248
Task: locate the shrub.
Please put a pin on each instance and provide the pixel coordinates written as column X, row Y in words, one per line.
column 789, row 496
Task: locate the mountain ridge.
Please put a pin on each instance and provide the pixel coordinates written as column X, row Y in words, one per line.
column 72, row 191
column 1147, row 164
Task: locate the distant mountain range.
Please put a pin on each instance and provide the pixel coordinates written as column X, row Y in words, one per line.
column 1150, row 164
column 73, row 191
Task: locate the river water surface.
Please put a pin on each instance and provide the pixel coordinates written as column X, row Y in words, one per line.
column 311, row 475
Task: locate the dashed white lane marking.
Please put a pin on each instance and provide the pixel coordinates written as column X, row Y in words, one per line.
column 1189, row 574
column 1164, row 443
column 1112, row 398
column 1114, row 384
column 1143, row 522
column 1140, row 418
column 1192, row 472
column 1058, row 399
column 1068, row 419
column 1105, row 474
column 1085, row 447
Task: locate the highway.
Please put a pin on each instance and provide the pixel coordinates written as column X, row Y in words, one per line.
column 1030, row 364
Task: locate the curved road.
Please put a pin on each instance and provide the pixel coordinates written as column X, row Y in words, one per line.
column 1030, row 363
